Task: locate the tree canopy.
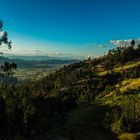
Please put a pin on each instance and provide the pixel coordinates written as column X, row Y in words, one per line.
column 4, row 37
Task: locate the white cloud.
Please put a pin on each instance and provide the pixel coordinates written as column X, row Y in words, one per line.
column 102, row 46
column 125, row 42
column 137, row 41
column 32, row 52
column 29, row 52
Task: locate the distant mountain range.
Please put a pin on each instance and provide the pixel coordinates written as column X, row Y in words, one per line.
column 36, row 61
column 42, row 57
column 38, row 58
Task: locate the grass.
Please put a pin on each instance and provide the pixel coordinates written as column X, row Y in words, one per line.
column 130, row 84
column 86, row 123
column 129, row 136
column 118, row 69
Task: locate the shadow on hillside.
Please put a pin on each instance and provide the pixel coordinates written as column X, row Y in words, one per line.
column 87, row 122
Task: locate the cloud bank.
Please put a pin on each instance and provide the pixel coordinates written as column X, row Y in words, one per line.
column 126, row 42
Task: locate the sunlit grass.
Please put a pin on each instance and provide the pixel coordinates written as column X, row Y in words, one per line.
column 118, row 69
column 130, row 84
column 129, row 136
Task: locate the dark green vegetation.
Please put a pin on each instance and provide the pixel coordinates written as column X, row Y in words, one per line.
column 6, row 68
column 95, row 99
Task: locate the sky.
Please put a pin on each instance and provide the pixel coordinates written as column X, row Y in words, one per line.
column 74, row 28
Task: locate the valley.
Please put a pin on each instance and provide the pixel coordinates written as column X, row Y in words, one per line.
column 35, row 69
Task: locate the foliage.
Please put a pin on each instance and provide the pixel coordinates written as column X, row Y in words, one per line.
column 7, row 68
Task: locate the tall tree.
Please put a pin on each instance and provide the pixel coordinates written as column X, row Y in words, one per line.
column 4, row 37
column 133, row 43
column 7, row 68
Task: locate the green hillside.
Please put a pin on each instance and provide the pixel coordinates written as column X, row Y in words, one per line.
column 95, row 99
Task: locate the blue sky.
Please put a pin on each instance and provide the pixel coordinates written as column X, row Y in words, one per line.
column 69, row 27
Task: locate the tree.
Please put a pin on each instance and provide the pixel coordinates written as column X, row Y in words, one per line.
column 4, row 37
column 133, row 43
column 7, row 68
column 3, row 119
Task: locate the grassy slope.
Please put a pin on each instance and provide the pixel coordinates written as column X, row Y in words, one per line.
column 118, row 69
column 86, row 122
column 129, row 136
column 130, row 84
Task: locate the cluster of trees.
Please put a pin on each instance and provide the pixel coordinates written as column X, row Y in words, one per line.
column 121, row 55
